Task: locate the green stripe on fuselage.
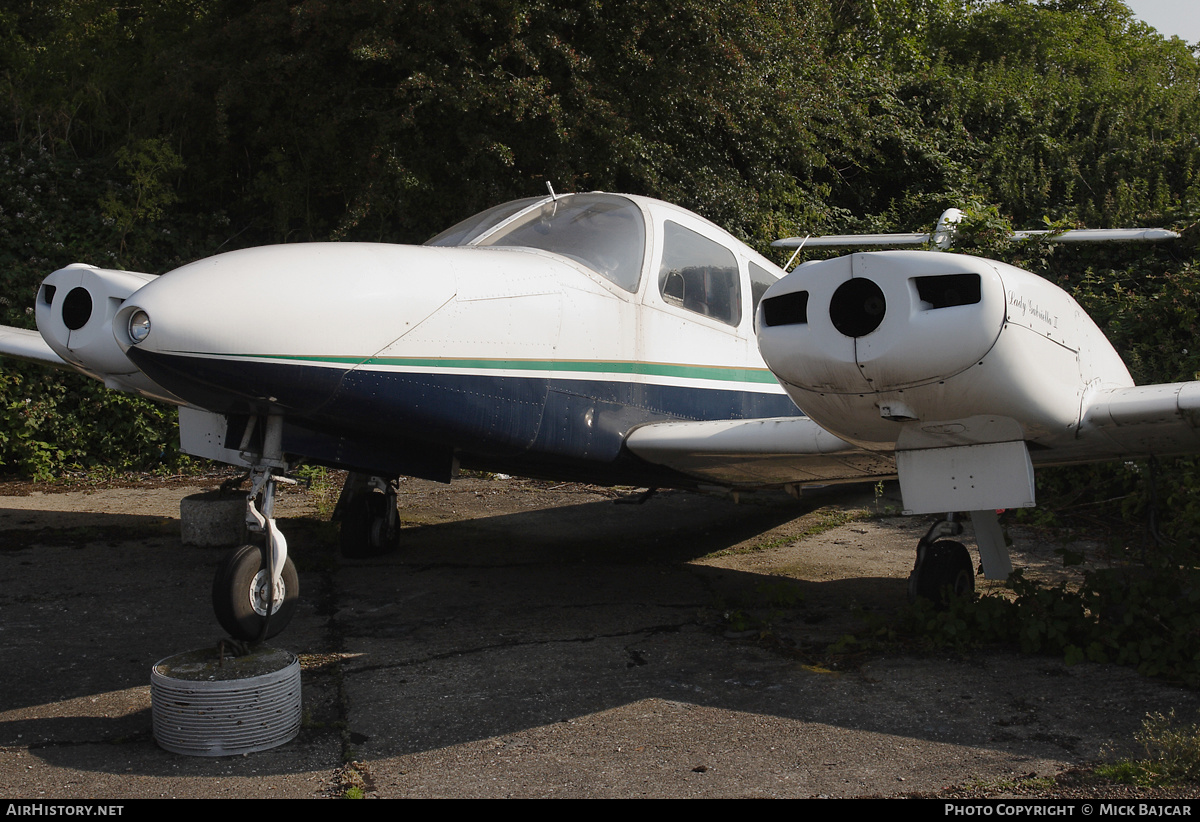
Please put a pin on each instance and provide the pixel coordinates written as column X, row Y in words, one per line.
column 656, row 369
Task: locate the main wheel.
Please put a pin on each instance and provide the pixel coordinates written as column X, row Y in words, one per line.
column 944, row 572
column 370, row 525
column 240, row 594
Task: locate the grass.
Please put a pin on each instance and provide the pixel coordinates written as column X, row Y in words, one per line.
column 1019, row 786
column 816, row 523
column 1172, row 755
column 323, row 485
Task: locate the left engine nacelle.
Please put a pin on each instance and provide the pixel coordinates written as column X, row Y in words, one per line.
column 75, row 309
column 917, row 349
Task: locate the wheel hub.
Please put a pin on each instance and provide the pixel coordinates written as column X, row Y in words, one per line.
column 258, row 594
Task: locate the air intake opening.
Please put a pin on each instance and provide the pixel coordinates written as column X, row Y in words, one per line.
column 77, row 308
column 857, row 307
column 949, row 290
column 786, row 309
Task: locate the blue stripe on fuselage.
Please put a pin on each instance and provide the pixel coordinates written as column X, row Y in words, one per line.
column 481, row 414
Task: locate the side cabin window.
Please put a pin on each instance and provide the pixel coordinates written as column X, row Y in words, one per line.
column 760, row 281
column 699, row 274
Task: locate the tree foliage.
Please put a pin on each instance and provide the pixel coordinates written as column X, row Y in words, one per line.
column 151, row 132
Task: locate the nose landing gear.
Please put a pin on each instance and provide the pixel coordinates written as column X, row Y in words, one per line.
column 256, row 589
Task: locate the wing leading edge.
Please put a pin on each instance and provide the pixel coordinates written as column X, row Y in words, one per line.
column 761, row 452
column 1078, row 235
column 1140, row 421
column 27, row 345
column 1121, row 423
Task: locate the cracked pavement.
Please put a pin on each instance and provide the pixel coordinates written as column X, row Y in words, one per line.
column 531, row 640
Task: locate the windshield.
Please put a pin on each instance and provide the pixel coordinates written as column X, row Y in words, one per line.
column 461, row 233
column 604, row 232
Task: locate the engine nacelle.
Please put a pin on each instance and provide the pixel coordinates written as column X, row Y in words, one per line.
column 75, row 309
column 919, row 349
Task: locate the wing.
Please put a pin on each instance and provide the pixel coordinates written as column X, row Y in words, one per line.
column 1145, row 420
column 943, row 233
column 1080, row 235
column 852, row 240
column 756, row 453
column 27, row 345
column 1123, row 423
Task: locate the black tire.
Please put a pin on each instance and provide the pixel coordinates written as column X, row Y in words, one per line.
column 368, row 528
column 233, row 590
column 946, row 572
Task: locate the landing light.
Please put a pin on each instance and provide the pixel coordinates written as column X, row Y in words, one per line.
column 139, row 326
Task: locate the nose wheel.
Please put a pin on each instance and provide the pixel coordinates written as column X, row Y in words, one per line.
column 256, row 589
column 242, row 591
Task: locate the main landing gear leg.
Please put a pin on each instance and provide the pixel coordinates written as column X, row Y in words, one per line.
column 256, row 589
column 993, row 549
column 943, row 568
column 370, row 521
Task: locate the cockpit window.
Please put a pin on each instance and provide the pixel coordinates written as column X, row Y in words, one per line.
column 700, row 275
column 463, row 232
column 606, row 233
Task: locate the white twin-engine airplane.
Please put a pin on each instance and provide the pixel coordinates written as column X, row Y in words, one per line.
column 610, row 339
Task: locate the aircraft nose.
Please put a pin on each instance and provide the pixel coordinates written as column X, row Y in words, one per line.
column 274, row 329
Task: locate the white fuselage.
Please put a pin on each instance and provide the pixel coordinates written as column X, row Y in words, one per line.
column 479, row 346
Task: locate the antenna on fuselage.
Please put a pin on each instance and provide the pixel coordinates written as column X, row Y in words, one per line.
column 799, row 248
column 550, row 188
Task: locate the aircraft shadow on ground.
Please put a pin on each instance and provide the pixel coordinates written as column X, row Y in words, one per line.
column 479, row 628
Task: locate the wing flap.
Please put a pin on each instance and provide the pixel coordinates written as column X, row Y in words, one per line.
column 775, row 451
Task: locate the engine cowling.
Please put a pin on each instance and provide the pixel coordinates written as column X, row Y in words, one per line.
column 918, row 349
column 75, row 309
